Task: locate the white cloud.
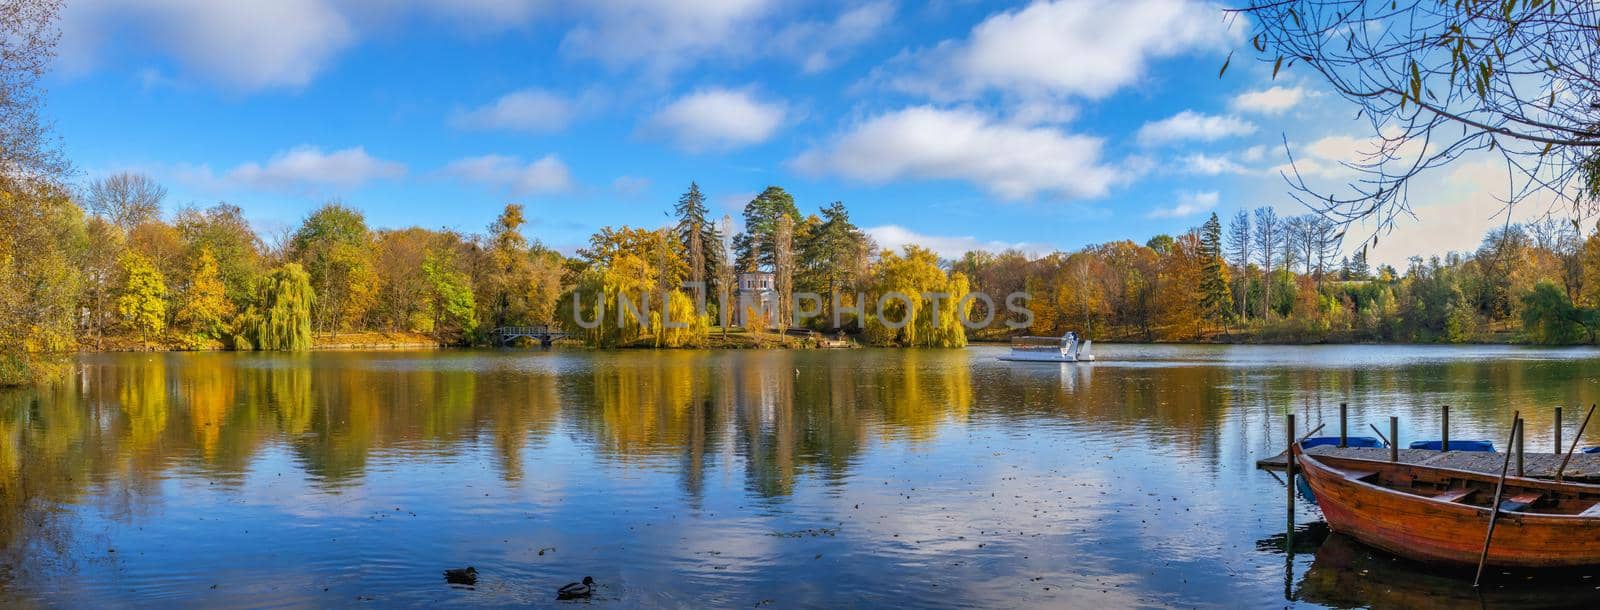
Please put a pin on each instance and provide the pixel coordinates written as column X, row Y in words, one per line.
column 299, row 169
column 663, row 34
column 895, row 237
column 818, row 44
column 1339, row 156
column 1189, row 204
column 1041, row 112
column 1191, row 125
column 254, row 45
column 1453, row 207
column 1067, row 47
column 1273, row 100
column 529, row 110
column 244, row 46
column 718, row 119
column 543, row 176
column 923, row 142
column 1210, row 165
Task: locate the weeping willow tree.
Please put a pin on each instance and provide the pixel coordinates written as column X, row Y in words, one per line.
column 280, row 319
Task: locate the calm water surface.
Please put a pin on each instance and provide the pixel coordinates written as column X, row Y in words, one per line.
column 730, row 479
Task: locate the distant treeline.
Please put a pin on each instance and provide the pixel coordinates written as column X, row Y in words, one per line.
column 102, row 268
column 1272, row 279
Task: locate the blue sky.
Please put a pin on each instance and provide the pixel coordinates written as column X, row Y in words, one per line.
column 954, row 124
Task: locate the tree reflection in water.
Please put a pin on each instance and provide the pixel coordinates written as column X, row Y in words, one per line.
column 883, row 472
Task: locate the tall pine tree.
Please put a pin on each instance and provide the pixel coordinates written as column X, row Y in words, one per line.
column 754, row 249
column 702, row 242
column 1216, row 297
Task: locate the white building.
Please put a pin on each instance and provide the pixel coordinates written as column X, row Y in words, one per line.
column 757, row 291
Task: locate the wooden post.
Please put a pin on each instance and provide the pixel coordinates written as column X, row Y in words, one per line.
column 1520, row 446
column 1289, row 434
column 1344, row 421
column 1574, row 447
column 1394, row 438
column 1558, row 429
column 1444, row 430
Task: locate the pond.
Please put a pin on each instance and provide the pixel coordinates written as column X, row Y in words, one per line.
column 921, row 478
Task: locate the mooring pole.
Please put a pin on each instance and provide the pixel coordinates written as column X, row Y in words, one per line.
column 1344, row 424
column 1394, row 438
column 1444, row 430
column 1521, row 448
column 1558, row 429
column 1574, row 447
column 1288, row 539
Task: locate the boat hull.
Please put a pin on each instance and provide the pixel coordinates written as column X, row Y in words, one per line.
column 1026, row 357
column 1439, row 531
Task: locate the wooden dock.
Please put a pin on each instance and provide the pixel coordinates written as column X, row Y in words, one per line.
column 1584, row 467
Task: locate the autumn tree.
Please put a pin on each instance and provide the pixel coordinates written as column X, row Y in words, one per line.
column 335, row 248
column 142, row 302
column 99, row 273
column 205, row 303
column 223, row 230
column 41, row 241
column 520, row 282
column 911, row 291
column 725, row 278
column 1180, row 289
column 783, row 270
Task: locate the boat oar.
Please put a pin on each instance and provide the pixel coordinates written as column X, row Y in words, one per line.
column 1574, row 446
column 1381, row 437
column 1499, row 488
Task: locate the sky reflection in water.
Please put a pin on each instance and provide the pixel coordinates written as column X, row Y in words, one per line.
column 727, row 479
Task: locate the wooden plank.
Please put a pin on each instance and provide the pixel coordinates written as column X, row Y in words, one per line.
column 1584, row 467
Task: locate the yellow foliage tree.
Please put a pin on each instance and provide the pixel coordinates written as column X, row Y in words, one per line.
column 205, row 303
column 143, row 302
column 906, row 287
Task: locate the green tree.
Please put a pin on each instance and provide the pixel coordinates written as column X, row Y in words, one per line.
column 830, row 260
column 143, row 299
column 1215, row 289
column 223, row 230
column 754, row 249
column 335, row 248
column 702, row 243
column 449, row 298
column 280, row 318
column 1548, row 316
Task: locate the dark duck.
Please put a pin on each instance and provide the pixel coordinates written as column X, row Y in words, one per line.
column 461, row 576
column 577, row 590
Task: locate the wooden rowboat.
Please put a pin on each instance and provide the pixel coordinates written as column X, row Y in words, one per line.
column 1440, row 514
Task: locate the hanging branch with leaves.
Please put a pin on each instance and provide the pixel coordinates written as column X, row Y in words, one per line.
column 1438, row 80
